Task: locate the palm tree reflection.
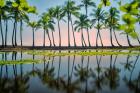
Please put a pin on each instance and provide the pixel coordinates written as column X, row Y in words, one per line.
column 112, row 74
column 133, row 84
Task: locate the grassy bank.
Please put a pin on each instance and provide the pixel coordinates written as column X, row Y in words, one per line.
column 83, row 53
column 24, row 61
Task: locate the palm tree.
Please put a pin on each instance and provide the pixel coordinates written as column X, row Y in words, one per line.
column 73, row 9
column 47, row 24
column 80, row 24
column 66, row 11
column 51, row 15
column 34, row 25
column 98, row 18
column 129, row 20
column 112, row 74
column 15, row 5
column 86, row 4
column 112, row 23
column 43, row 23
column 2, row 4
column 6, row 17
column 24, row 17
column 58, row 14
column 19, row 8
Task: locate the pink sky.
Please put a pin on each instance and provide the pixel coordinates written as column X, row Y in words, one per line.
column 64, row 34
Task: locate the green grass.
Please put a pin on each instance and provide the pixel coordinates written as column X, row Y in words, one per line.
column 84, row 53
column 24, row 61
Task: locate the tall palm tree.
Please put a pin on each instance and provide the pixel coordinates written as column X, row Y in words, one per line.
column 129, row 10
column 66, row 11
column 18, row 9
column 51, row 15
column 112, row 23
column 73, row 9
column 34, row 25
column 23, row 17
column 58, row 14
column 99, row 16
column 2, row 4
column 15, row 5
column 6, row 17
column 86, row 4
column 48, row 24
column 26, row 9
column 43, row 23
column 80, row 24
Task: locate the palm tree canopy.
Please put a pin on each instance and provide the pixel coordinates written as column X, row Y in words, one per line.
column 87, row 3
column 112, row 18
column 99, row 17
column 47, row 22
column 82, row 23
column 130, row 8
column 105, row 3
column 58, row 12
column 35, row 25
column 20, row 8
column 71, row 8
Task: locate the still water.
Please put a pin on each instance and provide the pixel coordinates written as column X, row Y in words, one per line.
column 71, row 74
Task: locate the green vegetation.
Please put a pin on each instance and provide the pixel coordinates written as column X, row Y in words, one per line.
column 83, row 53
column 24, row 61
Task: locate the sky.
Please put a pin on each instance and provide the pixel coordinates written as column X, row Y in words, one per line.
column 42, row 6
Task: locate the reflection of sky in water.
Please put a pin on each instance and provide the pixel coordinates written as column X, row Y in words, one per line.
column 36, row 85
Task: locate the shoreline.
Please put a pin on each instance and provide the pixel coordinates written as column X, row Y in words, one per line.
column 10, row 48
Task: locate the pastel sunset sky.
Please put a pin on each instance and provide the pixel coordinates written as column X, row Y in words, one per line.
column 42, row 6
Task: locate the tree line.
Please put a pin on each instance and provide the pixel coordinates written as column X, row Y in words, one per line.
column 99, row 18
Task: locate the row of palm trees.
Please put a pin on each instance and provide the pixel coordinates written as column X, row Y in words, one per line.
column 18, row 11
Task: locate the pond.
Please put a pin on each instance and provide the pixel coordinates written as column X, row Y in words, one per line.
column 69, row 74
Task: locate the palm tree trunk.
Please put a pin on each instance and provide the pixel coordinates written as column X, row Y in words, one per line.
column 97, row 39
column 73, row 31
column 111, row 37
column 6, row 31
column 137, row 38
column 1, row 32
column 128, row 40
column 44, row 38
column 88, row 37
column 116, row 39
column 83, row 39
column 53, row 38
column 21, row 29
column 49, row 37
column 100, row 38
column 87, row 27
column 68, row 31
column 33, row 37
column 59, row 34
column 15, row 32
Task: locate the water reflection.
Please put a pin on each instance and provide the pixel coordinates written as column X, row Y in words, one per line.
column 71, row 74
